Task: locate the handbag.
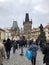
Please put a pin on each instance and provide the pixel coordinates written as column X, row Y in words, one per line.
column 28, row 54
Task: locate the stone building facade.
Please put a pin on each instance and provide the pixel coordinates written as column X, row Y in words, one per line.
column 2, row 34
column 27, row 26
column 46, row 29
column 36, row 31
column 15, row 31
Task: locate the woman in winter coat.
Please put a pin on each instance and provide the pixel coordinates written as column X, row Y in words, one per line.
column 34, row 49
column 2, row 53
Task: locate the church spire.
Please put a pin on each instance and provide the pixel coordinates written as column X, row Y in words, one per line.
column 27, row 17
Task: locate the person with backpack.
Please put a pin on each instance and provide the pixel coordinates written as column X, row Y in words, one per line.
column 34, row 49
column 15, row 46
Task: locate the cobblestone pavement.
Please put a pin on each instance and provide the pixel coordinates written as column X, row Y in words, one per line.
column 16, row 59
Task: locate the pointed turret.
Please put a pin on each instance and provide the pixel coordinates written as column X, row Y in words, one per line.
column 27, row 17
column 15, row 25
column 27, row 26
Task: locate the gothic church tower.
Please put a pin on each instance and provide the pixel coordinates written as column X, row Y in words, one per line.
column 27, row 26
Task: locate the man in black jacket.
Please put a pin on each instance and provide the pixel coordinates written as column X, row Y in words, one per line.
column 8, row 48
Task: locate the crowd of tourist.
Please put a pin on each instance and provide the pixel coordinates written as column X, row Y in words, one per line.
column 5, row 49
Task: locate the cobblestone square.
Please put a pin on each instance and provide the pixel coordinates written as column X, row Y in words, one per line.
column 16, row 59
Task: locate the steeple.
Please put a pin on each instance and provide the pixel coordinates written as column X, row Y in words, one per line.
column 15, row 26
column 27, row 17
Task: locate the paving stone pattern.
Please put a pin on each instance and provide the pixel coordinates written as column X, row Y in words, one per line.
column 16, row 59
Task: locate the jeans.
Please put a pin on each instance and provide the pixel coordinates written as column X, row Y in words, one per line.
column 14, row 50
column 33, row 61
column 8, row 54
column 22, row 50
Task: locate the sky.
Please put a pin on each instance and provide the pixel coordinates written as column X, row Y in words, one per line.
column 15, row 10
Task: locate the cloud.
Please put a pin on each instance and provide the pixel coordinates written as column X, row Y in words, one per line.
column 2, row 0
column 42, row 7
column 16, row 9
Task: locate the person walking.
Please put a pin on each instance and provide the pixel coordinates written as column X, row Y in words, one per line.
column 8, row 48
column 21, row 45
column 4, row 42
column 34, row 49
column 2, row 53
column 15, row 46
column 46, row 53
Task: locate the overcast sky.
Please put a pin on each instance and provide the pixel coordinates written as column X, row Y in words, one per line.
column 11, row 10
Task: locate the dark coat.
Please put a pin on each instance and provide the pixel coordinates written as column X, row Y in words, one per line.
column 8, row 45
column 21, row 42
column 46, row 54
column 30, row 42
column 15, row 44
column 34, row 49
